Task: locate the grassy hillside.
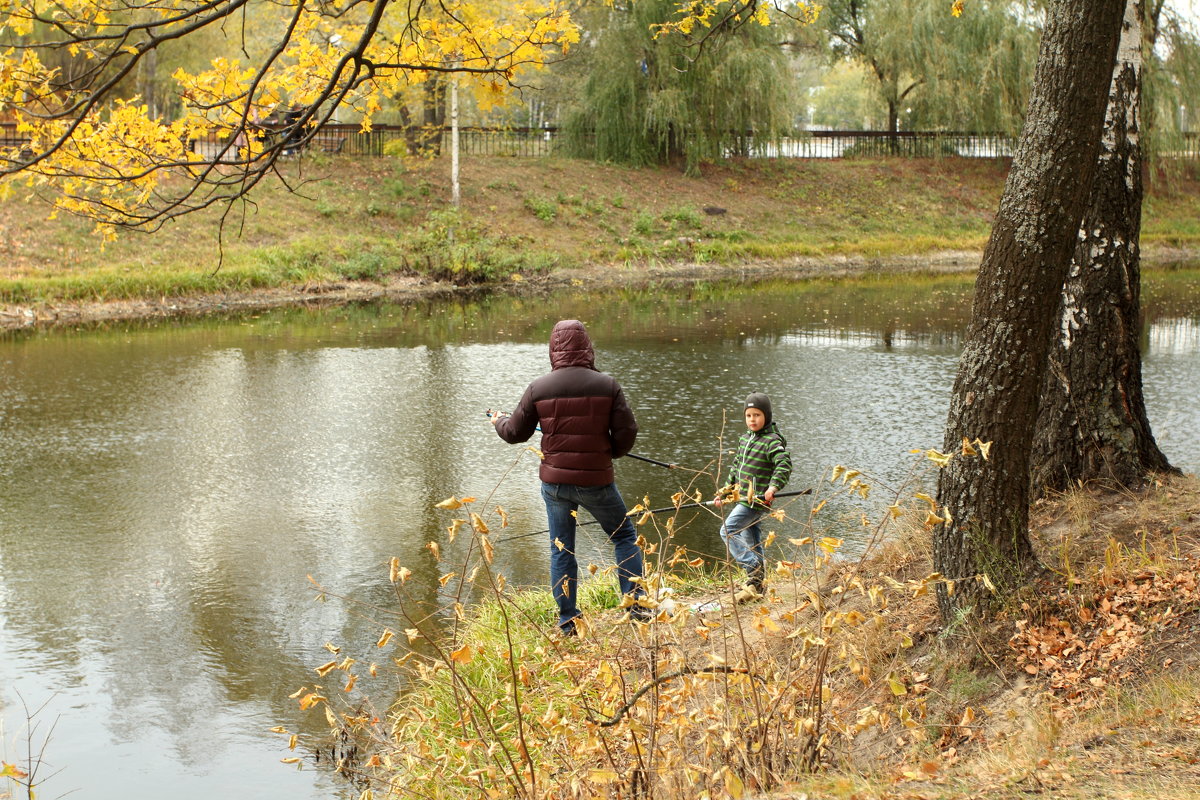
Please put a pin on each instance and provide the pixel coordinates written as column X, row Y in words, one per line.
column 377, row 220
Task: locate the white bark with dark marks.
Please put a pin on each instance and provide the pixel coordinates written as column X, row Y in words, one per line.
column 1092, row 419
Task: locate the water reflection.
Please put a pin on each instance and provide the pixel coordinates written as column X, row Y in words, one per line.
column 167, row 488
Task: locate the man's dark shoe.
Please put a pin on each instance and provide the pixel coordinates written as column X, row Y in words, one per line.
column 639, row 613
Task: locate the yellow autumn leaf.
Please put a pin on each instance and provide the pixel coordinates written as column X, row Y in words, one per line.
column 450, row 503
column 734, row 785
column 489, row 552
column 984, row 448
column 309, row 700
column 967, row 449
column 829, row 544
column 435, row 549
column 602, row 776
column 413, row 634
column 12, row 771
column 443, row 580
column 898, row 688
column 462, row 655
column 384, row 639
column 290, row 760
column 325, row 669
column 941, row 459
column 478, row 524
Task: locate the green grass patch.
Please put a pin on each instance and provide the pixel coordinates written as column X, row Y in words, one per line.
column 368, row 218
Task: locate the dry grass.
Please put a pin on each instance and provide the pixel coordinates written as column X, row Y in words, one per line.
column 1130, row 730
column 1083, row 686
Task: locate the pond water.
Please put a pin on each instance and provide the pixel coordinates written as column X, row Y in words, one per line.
column 167, row 489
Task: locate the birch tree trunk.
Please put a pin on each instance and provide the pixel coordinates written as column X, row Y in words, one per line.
column 1092, row 422
column 1024, row 267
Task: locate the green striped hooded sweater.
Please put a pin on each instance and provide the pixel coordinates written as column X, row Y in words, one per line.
column 762, row 461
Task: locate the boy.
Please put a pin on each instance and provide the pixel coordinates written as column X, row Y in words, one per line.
column 759, row 470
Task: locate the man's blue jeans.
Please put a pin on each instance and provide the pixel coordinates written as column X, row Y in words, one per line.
column 605, row 504
column 744, row 540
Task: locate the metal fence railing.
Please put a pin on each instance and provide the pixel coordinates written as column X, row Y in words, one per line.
column 906, row 144
column 342, row 139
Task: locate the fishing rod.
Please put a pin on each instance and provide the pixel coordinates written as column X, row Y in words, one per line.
column 489, row 413
column 662, row 510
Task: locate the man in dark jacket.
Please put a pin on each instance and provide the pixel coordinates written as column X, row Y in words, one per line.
column 585, row 424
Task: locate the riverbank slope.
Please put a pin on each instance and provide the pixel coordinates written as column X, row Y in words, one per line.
column 358, row 229
column 1081, row 685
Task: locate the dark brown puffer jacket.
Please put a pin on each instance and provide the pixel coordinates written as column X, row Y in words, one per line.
column 585, row 420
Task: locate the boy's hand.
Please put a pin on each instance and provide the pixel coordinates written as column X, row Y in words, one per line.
column 769, row 495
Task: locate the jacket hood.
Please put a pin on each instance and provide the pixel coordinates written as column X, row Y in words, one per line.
column 570, row 346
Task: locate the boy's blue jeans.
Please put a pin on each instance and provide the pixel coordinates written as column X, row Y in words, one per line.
column 743, row 538
column 605, row 504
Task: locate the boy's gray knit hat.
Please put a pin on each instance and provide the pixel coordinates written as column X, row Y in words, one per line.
column 761, row 402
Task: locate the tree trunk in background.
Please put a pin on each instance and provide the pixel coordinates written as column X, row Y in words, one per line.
column 1016, row 295
column 147, row 82
column 1092, row 423
column 435, row 117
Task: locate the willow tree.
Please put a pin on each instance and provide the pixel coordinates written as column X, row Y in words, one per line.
column 106, row 155
column 653, row 95
column 1172, row 77
column 968, row 71
column 1092, row 422
column 995, row 398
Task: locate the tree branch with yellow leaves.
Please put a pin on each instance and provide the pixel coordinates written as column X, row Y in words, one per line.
column 89, row 143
